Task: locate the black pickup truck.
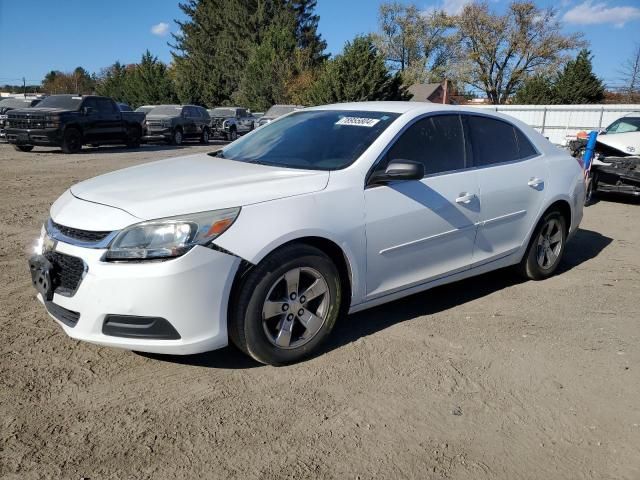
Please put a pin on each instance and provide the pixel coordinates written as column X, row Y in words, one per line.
column 71, row 121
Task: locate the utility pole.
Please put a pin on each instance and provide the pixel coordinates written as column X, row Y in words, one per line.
column 24, row 87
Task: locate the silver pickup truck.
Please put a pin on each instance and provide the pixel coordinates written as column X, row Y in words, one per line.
column 229, row 122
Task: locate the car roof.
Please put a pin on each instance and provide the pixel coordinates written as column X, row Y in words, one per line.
column 396, row 107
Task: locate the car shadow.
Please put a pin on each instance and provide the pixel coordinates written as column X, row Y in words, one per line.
column 616, row 197
column 584, row 246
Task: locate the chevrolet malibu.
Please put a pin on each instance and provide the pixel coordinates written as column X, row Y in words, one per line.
column 323, row 212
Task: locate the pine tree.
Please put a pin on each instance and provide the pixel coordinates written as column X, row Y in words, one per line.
column 149, row 83
column 212, row 49
column 358, row 74
column 112, row 82
column 270, row 66
column 537, row 90
column 307, row 34
column 577, row 82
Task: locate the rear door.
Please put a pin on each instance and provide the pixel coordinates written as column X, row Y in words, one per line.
column 423, row 229
column 512, row 175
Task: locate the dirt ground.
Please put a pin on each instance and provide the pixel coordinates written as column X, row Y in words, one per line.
column 487, row 378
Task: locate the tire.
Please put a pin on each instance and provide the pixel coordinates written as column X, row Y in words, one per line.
column 232, row 135
column 72, row 141
column 256, row 324
column 546, row 247
column 177, row 137
column 23, row 148
column 134, row 137
column 204, row 138
column 592, row 187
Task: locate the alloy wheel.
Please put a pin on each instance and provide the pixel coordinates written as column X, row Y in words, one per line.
column 549, row 244
column 296, row 308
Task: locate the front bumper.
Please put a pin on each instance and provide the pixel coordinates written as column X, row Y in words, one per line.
column 43, row 137
column 157, row 134
column 191, row 293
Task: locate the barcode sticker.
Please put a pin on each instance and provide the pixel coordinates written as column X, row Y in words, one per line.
column 358, row 121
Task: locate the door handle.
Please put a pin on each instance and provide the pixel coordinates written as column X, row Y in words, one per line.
column 535, row 182
column 465, row 198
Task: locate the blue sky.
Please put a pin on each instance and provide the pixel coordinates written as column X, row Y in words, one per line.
column 41, row 35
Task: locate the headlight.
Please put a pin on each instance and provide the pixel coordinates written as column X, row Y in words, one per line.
column 170, row 237
column 4, row 117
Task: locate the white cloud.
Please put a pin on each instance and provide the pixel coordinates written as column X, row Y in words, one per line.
column 589, row 13
column 454, row 7
column 160, row 29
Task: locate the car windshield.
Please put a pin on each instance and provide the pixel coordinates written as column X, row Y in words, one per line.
column 144, row 109
column 222, row 112
column 314, row 140
column 279, row 110
column 66, row 102
column 173, row 110
column 624, row 125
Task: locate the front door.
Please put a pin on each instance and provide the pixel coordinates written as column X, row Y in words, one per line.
column 421, row 230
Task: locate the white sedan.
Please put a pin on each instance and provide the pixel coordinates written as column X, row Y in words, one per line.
column 325, row 211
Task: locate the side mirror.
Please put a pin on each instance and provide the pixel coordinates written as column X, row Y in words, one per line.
column 399, row 170
column 87, row 110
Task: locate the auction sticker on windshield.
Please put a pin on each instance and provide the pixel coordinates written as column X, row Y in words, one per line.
column 358, row 121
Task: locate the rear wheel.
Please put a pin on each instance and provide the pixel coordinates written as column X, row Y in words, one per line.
column 286, row 306
column 23, row 148
column 592, row 186
column 546, row 247
column 71, row 141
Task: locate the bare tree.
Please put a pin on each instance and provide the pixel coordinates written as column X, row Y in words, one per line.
column 630, row 74
column 496, row 53
column 412, row 41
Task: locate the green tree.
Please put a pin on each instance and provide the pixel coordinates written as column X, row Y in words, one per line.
column 536, row 90
column 358, row 74
column 577, row 83
column 212, row 48
column 270, row 67
column 306, row 30
column 112, row 82
column 149, row 83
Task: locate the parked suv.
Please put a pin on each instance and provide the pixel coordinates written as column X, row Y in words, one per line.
column 229, row 122
column 13, row 103
column 332, row 209
column 176, row 123
column 277, row 111
column 71, row 121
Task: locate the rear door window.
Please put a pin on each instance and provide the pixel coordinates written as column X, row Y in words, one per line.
column 493, row 141
column 436, row 141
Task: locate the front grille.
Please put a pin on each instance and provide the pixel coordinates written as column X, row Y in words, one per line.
column 26, row 121
column 68, row 272
column 152, row 124
column 77, row 234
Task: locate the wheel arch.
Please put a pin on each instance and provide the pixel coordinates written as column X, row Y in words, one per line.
column 337, row 255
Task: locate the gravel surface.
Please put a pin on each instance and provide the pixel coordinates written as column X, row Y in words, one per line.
column 491, row 377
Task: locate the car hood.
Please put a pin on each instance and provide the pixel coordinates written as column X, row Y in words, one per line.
column 39, row 110
column 195, row 183
column 627, row 143
column 161, row 117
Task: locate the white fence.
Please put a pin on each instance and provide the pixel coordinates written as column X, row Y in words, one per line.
column 560, row 123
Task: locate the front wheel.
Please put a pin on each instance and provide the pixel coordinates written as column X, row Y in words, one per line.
column 176, row 137
column 232, row 135
column 205, row 136
column 23, row 148
column 286, row 306
column 545, row 248
column 591, row 188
